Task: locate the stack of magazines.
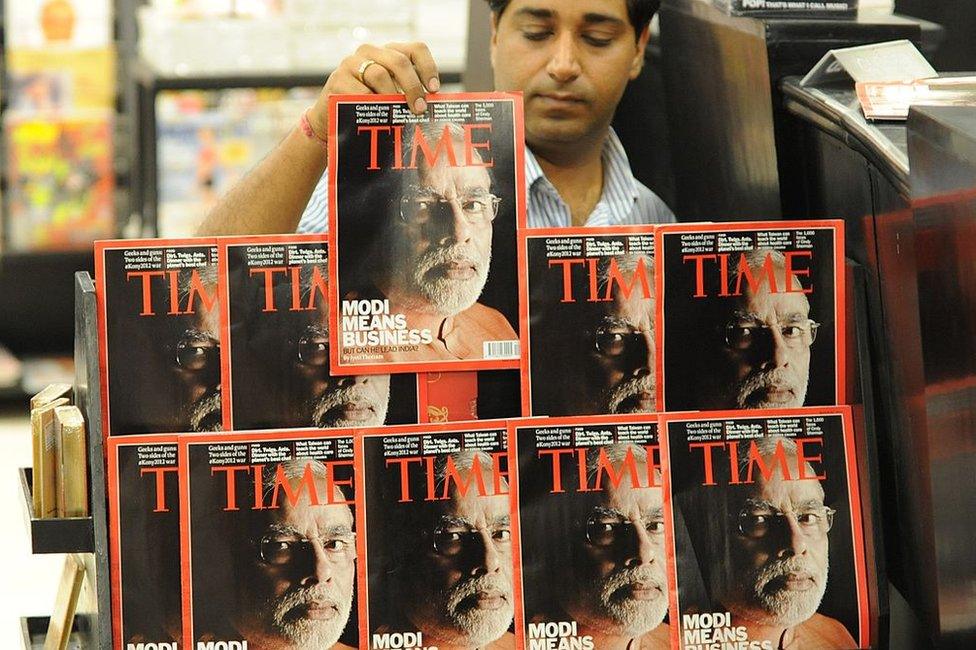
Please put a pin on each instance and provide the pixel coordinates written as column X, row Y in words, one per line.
column 679, row 468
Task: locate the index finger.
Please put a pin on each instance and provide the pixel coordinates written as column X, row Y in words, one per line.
column 423, row 63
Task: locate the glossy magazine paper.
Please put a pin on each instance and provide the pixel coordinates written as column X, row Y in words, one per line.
column 268, row 539
column 435, row 544
column 276, row 374
column 750, row 315
column 766, row 542
column 588, row 320
column 423, row 214
column 591, row 533
column 144, row 534
column 159, row 335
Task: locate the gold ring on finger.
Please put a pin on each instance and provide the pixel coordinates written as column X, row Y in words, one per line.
column 361, row 72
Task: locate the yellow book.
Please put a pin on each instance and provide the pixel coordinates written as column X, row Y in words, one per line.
column 63, row 616
column 72, row 462
column 42, row 433
column 52, row 392
column 45, row 471
column 49, row 394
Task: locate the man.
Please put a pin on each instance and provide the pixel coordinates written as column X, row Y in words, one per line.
column 451, row 578
column 297, row 571
column 572, row 60
column 593, row 358
column 280, row 365
column 767, row 561
column 435, row 257
column 195, row 354
column 757, row 354
column 607, row 571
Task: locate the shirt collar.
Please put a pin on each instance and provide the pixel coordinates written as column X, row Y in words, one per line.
column 616, row 170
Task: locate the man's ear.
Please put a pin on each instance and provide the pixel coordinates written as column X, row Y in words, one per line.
column 638, row 63
column 493, row 44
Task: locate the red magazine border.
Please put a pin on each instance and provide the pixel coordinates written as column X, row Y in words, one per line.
column 101, row 303
column 525, row 367
column 362, row 568
column 853, row 499
column 339, row 368
column 840, row 289
column 114, row 518
column 514, row 425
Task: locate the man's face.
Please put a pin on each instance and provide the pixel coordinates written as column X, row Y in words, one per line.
column 444, row 232
column 616, row 361
column 764, row 361
column 335, row 401
column 572, row 60
column 462, row 587
column 618, row 583
column 197, row 365
column 778, row 569
column 299, row 590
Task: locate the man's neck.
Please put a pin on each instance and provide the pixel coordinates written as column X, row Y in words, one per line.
column 576, row 171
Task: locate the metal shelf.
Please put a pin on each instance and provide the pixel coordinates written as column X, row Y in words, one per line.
column 68, row 535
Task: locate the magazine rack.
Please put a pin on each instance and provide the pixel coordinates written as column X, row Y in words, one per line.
column 88, row 537
column 85, row 536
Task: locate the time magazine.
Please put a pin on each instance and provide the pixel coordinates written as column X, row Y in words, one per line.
column 591, row 533
column 766, row 533
column 269, row 540
column 423, row 215
column 159, row 335
column 144, row 530
column 436, row 549
column 277, row 371
column 750, row 315
column 588, row 321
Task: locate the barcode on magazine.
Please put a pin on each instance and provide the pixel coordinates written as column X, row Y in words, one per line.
column 501, row 349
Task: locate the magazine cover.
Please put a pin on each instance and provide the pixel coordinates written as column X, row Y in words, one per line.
column 588, row 321
column 62, row 24
column 144, row 529
column 60, row 181
column 423, row 214
column 269, row 540
column 159, row 335
column 591, row 533
column 750, row 315
column 46, row 79
column 277, row 372
column 436, row 555
column 772, row 551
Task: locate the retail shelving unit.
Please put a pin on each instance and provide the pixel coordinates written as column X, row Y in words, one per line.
column 86, row 537
column 36, row 286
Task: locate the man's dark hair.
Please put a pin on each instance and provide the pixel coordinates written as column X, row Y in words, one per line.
column 640, row 12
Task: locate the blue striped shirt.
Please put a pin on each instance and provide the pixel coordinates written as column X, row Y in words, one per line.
column 625, row 200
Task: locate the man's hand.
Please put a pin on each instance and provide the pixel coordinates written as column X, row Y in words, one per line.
column 271, row 198
column 394, row 68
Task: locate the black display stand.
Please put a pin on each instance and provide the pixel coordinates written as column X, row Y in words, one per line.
column 730, row 136
column 87, row 537
column 906, row 192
